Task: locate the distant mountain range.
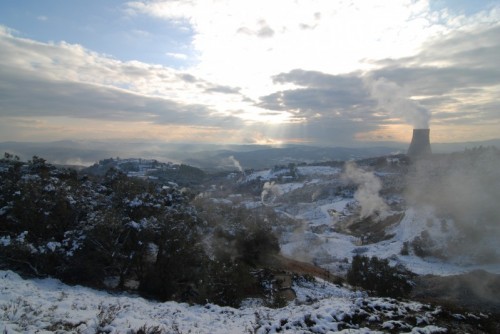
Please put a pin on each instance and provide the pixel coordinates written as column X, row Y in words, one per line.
column 210, row 156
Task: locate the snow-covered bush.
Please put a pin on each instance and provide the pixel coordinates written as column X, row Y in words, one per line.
column 95, row 232
column 123, row 233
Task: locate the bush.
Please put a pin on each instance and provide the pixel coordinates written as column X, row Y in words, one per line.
column 377, row 276
column 256, row 245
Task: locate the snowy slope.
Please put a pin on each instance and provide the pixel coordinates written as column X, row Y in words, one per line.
column 47, row 306
column 318, row 242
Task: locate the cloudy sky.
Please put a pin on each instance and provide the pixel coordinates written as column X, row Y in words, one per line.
column 322, row 72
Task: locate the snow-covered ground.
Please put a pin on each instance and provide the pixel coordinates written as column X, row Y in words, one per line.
column 316, row 241
column 329, row 247
column 48, row 306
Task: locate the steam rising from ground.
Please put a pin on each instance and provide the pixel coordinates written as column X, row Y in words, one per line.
column 465, row 187
column 269, row 193
column 236, row 163
column 396, row 101
column 368, row 190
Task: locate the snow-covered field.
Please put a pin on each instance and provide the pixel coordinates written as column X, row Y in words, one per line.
column 318, row 242
column 48, row 306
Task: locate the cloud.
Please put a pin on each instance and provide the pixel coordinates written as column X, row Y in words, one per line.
column 222, row 89
column 311, row 35
column 455, row 76
column 28, row 97
column 261, row 75
column 42, row 80
column 334, row 106
column 177, row 55
column 320, row 93
column 263, row 30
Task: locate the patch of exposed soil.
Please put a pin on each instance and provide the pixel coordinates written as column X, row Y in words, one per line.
column 304, row 268
column 370, row 229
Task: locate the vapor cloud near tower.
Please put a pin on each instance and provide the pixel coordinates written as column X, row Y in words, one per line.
column 396, row 101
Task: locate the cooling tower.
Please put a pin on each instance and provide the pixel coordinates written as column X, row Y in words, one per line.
column 420, row 144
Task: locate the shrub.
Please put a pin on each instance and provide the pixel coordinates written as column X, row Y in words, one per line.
column 377, row 276
column 256, row 245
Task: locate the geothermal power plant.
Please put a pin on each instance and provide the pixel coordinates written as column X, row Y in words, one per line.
column 420, row 144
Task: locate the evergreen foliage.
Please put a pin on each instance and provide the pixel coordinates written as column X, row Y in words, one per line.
column 377, row 276
column 123, row 233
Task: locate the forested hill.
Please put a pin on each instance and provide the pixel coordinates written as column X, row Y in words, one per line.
column 150, row 169
column 124, row 233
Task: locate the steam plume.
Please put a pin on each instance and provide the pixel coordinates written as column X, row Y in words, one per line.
column 463, row 186
column 367, row 193
column 396, row 101
column 236, row 163
column 269, row 192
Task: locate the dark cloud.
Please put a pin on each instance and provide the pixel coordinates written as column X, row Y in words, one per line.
column 34, row 97
column 320, row 80
column 427, row 80
column 208, row 87
column 309, row 101
column 188, row 78
column 456, row 78
column 222, row 89
column 322, row 94
column 460, row 61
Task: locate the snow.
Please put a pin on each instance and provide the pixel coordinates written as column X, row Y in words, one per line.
column 47, row 305
column 135, row 225
column 5, row 241
column 49, row 188
column 3, row 210
column 318, row 170
column 284, row 188
column 327, row 248
column 21, row 237
column 53, row 245
column 71, row 200
column 267, row 175
column 135, row 202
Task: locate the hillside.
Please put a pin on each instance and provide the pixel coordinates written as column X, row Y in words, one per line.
column 212, row 157
column 47, row 306
column 376, row 233
column 149, row 169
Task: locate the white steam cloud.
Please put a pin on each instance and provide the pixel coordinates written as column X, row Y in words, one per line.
column 464, row 187
column 269, row 193
column 397, row 102
column 236, row 163
column 368, row 190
